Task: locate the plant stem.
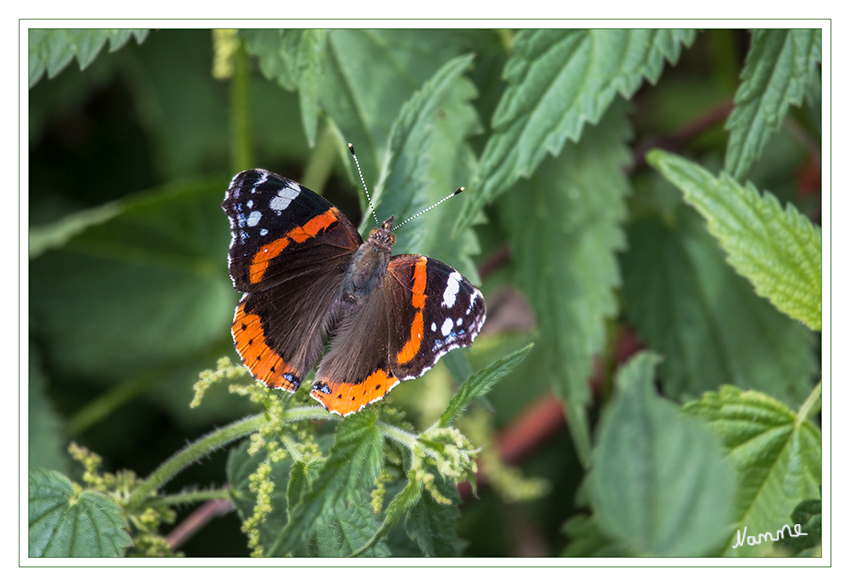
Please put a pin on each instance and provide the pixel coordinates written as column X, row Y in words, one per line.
column 405, row 438
column 191, row 453
column 188, row 497
column 811, row 406
column 240, row 108
column 213, row 441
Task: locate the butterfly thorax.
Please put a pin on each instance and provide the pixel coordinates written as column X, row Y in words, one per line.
column 369, row 265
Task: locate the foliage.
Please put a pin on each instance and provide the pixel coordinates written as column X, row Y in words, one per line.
column 706, row 254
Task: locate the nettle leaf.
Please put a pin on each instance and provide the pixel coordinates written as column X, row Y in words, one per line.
column 428, row 158
column 777, row 456
column 146, row 288
column 557, row 81
column 778, row 250
column 432, row 525
column 364, row 79
column 479, row 384
column 351, row 529
column 52, row 50
column 564, row 227
column 353, row 464
column 780, row 66
column 63, row 523
column 294, row 58
column 689, row 305
column 660, row 484
column 240, row 465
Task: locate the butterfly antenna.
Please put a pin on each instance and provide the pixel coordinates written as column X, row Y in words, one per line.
column 366, row 189
column 429, row 208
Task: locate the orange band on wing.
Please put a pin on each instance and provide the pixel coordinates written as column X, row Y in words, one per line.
column 346, row 398
column 261, row 260
column 411, row 347
column 264, row 363
column 299, row 234
column 314, row 226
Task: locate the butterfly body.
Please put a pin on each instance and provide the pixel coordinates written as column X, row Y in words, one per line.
column 307, row 278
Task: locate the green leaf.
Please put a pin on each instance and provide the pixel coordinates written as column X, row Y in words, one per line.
column 428, row 158
column 46, row 431
column 479, row 384
column 780, row 66
column 433, row 525
column 808, row 516
column 558, row 79
column 689, row 305
column 144, row 289
column 353, row 463
column 65, row 524
column 396, row 511
column 588, row 540
column 564, row 230
column 364, row 79
column 659, row 484
column 352, row 528
column 778, row 250
column 295, row 59
column 52, row 50
column 777, row 456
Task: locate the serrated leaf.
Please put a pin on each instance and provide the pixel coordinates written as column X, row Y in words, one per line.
column 558, row 79
column 396, row 511
column 294, row 58
column 62, row 524
column 778, row 250
column 777, row 456
column 780, row 66
column 52, row 50
column 479, row 384
column 659, row 483
column 428, row 159
column 433, row 525
column 564, row 229
column 689, row 305
column 351, row 529
column 145, row 288
column 353, row 463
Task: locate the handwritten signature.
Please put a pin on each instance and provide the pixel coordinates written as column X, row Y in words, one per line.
column 751, row 540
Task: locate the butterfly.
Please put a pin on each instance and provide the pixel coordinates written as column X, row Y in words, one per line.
column 309, row 280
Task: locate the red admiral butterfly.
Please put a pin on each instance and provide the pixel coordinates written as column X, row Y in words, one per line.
column 308, row 277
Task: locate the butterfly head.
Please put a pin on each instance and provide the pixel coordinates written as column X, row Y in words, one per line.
column 383, row 236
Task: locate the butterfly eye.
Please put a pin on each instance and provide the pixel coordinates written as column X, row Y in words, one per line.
column 373, row 231
column 392, row 238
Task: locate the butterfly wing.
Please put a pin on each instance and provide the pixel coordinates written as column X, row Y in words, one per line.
column 355, row 372
column 433, row 309
column 424, row 309
column 289, row 252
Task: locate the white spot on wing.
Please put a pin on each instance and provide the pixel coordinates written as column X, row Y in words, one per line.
column 284, row 197
column 254, row 218
column 433, row 326
column 452, row 287
column 447, row 327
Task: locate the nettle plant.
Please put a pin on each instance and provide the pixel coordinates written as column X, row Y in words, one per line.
column 707, row 434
